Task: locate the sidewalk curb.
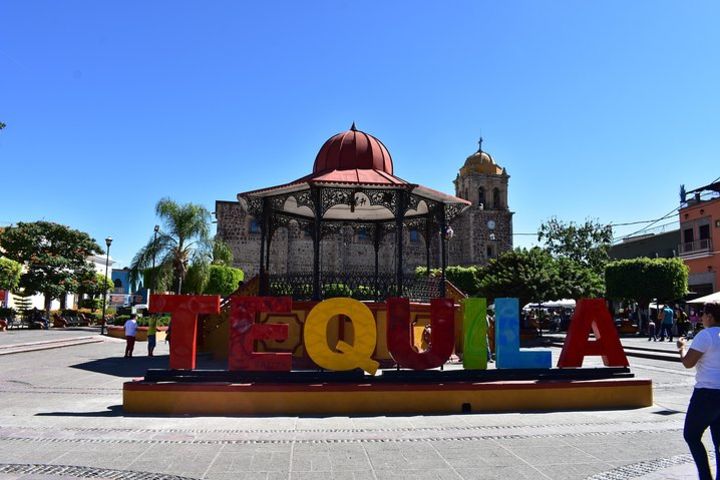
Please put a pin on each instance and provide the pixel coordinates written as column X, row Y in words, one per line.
column 48, row 344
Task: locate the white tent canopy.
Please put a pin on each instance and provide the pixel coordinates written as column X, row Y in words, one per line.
column 712, row 298
column 562, row 303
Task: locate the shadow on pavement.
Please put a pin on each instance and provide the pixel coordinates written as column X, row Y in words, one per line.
column 112, row 411
column 124, row 367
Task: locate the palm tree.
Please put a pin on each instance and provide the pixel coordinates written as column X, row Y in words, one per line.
column 184, row 238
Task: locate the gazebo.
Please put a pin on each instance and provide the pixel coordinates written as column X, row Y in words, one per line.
column 353, row 185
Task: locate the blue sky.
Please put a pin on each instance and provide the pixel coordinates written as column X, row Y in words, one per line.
column 597, row 109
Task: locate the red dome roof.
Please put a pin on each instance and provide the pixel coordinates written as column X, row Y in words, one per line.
column 353, row 150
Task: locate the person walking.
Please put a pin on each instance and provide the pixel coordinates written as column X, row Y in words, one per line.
column 152, row 335
column 652, row 334
column 130, row 332
column 666, row 322
column 704, row 408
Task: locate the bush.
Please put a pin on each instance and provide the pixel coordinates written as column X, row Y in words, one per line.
column 91, row 304
column 7, row 312
column 10, row 272
column 465, row 278
column 223, row 280
column 337, row 290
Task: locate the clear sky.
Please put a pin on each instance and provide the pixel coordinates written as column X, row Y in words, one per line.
column 597, row 109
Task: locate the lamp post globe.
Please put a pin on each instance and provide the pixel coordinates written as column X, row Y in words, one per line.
column 108, row 242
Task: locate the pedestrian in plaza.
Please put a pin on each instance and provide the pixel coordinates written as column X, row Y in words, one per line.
column 704, row 408
column 694, row 320
column 130, row 332
column 666, row 317
column 652, row 332
column 152, row 335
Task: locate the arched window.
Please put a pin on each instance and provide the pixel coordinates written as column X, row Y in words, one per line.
column 481, row 196
column 496, row 198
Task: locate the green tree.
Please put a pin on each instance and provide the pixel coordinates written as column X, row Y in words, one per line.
column 55, row 257
column 530, row 275
column 577, row 282
column 2, row 125
column 642, row 279
column 222, row 255
column 94, row 285
column 223, row 280
column 464, row 278
column 10, row 272
column 184, row 238
column 588, row 244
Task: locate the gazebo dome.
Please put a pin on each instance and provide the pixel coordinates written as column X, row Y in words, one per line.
column 353, row 149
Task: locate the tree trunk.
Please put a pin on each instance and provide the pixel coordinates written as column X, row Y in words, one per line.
column 48, row 304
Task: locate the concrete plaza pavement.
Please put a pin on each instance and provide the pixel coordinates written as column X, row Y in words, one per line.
column 61, row 416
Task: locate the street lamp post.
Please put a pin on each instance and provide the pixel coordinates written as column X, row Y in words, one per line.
column 154, row 274
column 108, row 242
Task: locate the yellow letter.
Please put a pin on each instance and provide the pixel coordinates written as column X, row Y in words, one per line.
column 352, row 356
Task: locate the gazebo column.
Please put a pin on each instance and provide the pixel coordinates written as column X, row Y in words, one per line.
column 443, row 249
column 264, row 227
column 270, row 235
column 399, row 217
column 376, row 243
column 428, row 233
column 316, row 194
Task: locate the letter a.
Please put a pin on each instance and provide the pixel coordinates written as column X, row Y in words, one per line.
column 592, row 315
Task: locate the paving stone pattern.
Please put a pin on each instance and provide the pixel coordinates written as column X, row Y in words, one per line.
column 61, row 416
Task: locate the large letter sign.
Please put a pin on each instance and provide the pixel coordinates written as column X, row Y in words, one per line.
column 399, row 334
column 475, row 328
column 184, row 310
column 244, row 331
column 507, row 339
column 592, row 315
column 350, row 356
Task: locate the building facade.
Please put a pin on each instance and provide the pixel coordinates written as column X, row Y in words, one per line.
column 478, row 234
column 699, row 238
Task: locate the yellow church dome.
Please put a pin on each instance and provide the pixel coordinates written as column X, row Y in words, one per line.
column 481, row 162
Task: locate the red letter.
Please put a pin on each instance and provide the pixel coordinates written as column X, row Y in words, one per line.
column 244, row 332
column 184, row 310
column 592, row 314
column 399, row 334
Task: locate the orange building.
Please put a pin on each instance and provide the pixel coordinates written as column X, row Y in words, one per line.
column 700, row 238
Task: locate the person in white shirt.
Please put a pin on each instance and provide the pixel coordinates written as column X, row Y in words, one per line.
column 704, row 408
column 130, row 331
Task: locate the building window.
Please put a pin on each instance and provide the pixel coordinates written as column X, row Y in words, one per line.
column 414, row 236
column 489, row 251
column 254, row 226
column 704, row 231
column 688, row 235
column 118, row 283
column 496, row 198
column 363, row 234
column 481, row 197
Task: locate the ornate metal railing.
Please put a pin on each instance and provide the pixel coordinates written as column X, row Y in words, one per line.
column 361, row 285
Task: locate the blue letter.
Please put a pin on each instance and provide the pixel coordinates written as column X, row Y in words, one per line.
column 507, row 339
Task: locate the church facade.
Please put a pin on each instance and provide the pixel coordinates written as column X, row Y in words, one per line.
column 478, row 234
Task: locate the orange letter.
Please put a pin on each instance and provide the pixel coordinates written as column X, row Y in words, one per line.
column 592, row 314
column 244, row 331
column 184, row 310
